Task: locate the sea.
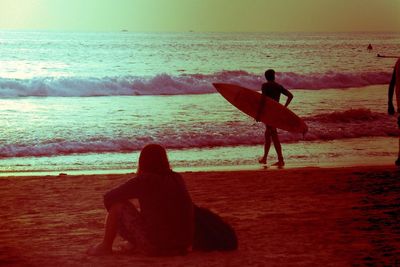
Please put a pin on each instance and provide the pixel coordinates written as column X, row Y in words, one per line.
column 87, row 102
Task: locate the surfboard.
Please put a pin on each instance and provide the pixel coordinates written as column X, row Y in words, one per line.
column 273, row 113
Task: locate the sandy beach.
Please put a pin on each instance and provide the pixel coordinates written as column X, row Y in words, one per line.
column 293, row 217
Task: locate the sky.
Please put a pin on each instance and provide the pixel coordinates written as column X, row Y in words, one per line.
column 201, row 15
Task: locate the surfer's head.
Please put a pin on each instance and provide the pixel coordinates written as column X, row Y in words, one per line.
column 270, row 75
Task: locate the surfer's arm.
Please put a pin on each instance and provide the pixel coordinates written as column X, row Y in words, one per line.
column 289, row 96
column 260, row 107
column 391, row 92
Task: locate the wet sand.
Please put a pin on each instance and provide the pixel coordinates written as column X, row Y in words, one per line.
column 294, row 217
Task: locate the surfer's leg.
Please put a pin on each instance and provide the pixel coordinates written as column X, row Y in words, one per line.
column 278, row 147
column 267, row 146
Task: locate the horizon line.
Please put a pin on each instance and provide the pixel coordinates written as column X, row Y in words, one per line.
column 191, row 31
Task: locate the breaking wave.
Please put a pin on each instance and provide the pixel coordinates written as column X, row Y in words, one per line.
column 353, row 123
column 164, row 84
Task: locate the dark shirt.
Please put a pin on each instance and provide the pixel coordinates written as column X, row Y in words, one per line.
column 273, row 90
column 165, row 206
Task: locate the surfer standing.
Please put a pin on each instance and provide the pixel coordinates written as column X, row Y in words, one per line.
column 273, row 90
column 395, row 84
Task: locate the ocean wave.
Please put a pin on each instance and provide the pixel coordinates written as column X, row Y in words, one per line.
column 353, row 123
column 348, row 116
column 164, row 84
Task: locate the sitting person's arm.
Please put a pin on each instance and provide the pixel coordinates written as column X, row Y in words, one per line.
column 123, row 192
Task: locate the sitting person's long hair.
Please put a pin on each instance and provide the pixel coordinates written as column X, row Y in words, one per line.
column 153, row 159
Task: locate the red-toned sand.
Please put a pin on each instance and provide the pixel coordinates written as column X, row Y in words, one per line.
column 296, row 217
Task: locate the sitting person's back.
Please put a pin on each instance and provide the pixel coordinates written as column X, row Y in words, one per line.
column 165, row 224
column 165, row 208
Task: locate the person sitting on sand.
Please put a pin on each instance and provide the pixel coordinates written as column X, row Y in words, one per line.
column 164, row 223
column 395, row 83
column 273, row 90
